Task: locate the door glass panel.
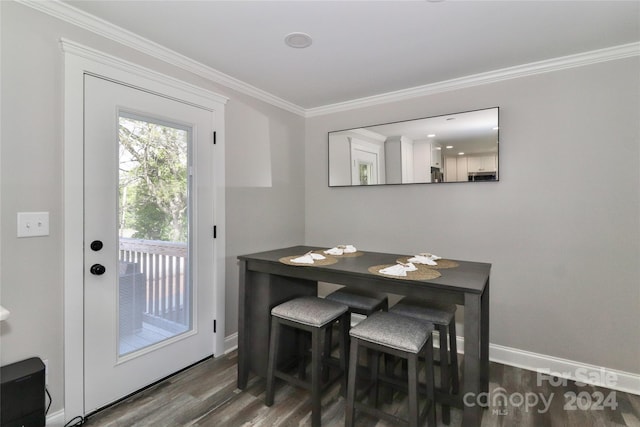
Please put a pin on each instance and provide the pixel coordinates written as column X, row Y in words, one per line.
column 155, row 292
column 365, row 172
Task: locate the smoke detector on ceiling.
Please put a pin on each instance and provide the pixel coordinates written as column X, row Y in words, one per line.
column 298, row 40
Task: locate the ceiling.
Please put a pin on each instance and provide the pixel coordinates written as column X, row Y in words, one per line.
column 367, row 48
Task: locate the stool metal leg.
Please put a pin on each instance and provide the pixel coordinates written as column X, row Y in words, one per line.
column 317, row 346
column 414, row 410
column 445, row 380
column 430, row 379
column 351, row 384
column 271, row 368
column 344, row 351
column 453, row 350
column 328, row 347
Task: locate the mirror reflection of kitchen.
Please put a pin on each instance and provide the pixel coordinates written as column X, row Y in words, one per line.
column 460, row 147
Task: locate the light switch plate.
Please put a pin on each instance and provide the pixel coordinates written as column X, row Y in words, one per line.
column 32, row 224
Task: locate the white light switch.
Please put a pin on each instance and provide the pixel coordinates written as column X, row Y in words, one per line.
column 32, row 224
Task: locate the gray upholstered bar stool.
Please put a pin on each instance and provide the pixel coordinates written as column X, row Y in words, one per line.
column 402, row 337
column 443, row 317
column 314, row 315
column 359, row 302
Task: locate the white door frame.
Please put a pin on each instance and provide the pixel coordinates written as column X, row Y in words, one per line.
column 365, row 147
column 80, row 60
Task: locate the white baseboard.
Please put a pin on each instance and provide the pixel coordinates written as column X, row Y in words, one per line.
column 230, row 343
column 613, row 379
column 56, row 419
column 568, row 369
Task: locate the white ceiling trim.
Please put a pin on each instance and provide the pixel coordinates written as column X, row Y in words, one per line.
column 79, row 18
column 101, row 27
column 555, row 64
column 199, row 97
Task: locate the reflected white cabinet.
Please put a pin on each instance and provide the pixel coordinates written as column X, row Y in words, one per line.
column 422, row 161
column 456, row 169
column 481, row 164
column 450, row 169
column 462, row 169
column 436, row 155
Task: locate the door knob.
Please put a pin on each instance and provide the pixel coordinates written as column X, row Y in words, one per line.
column 97, row 269
column 96, row 245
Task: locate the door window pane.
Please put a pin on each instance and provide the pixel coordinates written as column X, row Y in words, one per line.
column 154, row 298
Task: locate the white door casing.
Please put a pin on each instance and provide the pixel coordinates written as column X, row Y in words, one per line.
column 79, row 61
column 364, row 153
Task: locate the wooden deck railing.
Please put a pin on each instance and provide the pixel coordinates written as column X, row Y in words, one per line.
column 164, row 268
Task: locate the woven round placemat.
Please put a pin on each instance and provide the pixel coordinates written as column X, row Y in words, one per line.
column 327, row 261
column 420, row 274
column 442, row 263
column 349, row 255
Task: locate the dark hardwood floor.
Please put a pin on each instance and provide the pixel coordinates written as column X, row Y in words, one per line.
column 206, row 395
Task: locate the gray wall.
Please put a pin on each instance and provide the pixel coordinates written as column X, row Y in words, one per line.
column 264, row 199
column 561, row 228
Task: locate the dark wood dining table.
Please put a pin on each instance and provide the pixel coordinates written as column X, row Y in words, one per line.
column 265, row 282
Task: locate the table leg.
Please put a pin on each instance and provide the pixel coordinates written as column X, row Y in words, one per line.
column 484, row 340
column 243, row 362
column 472, row 412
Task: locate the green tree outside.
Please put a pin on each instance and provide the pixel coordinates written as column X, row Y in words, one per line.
column 153, row 189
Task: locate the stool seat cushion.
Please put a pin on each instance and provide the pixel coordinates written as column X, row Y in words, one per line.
column 310, row 311
column 393, row 330
column 440, row 314
column 360, row 300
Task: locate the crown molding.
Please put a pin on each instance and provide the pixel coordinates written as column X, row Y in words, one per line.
column 101, row 27
column 198, row 96
column 86, row 21
column 546, row 66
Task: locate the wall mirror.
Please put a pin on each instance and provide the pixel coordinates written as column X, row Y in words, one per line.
column 459, row 147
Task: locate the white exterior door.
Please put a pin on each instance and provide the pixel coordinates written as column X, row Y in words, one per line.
column 364, row 163
column 149, row 301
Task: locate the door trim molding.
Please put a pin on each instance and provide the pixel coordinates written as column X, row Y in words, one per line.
column 78, row 61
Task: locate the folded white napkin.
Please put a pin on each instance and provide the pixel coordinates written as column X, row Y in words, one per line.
column 425, row 258
column 334, row 251
column 308, row 258
column 341, row 249
column 398, row 269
